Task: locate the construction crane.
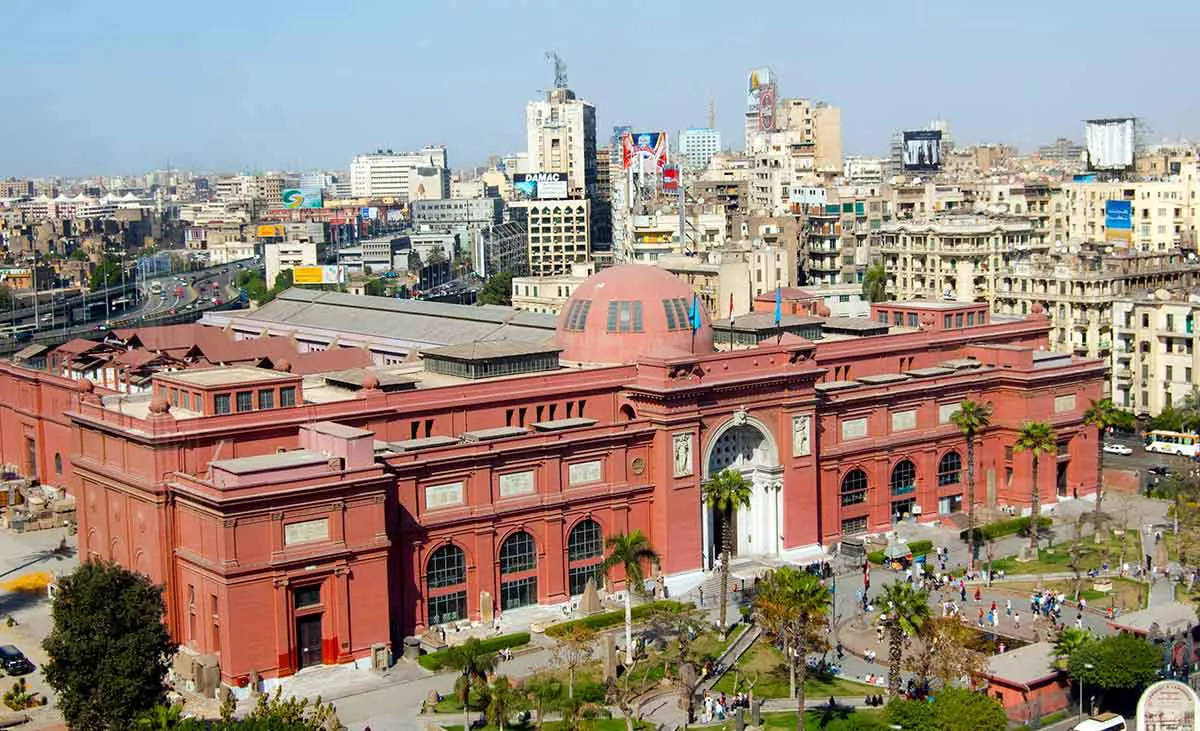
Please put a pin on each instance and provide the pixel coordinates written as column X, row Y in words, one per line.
column 560, row 70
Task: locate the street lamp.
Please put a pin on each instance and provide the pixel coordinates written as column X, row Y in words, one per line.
column 1086, row 666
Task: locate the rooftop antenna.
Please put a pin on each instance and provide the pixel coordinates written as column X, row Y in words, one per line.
column 560, row 70
column 712, row 112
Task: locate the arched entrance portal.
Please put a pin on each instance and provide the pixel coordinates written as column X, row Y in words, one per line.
column 745, row 445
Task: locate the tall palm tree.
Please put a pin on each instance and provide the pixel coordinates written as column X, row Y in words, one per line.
column 631, row 552
column 1103, row 415
column 907, row 609
column 502, row 701
column 725, row 493
column 792, row 606
column 1038, row 438
column 971, row 418
column 473, row 663
column 1067, row 643
column 874, row 284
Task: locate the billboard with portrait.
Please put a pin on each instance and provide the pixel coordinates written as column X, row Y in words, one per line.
column 302, row 198
column 319, row 275
column 644, row 152
column 922, row 150
column 1109, row 143
column 540, row 186
column 670, row 178
column 759, row 78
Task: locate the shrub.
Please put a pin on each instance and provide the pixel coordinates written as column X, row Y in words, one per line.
column 920, row 548
column 436, row 661
column 612, row 619
column 1002, row 528
column 876, row 557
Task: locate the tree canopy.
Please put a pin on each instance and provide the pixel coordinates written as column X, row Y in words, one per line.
column 497, row 290
column 874, row 283
column 1117, row 664
column 109, row 650
column 951, row 709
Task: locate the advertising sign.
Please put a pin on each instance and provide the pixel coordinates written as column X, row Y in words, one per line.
column 759, row 78
column 670, row 178
column 1109, row 143
column 1168, row 705
column 644, row 152
column 319, row 275
column 302, row 198
column 270, row 232
column 922, row 150
column 540, row 186
column 1118, row 215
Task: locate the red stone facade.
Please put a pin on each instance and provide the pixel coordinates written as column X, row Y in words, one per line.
column 275, row 530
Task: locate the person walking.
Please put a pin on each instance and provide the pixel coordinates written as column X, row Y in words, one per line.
column 1017, row 620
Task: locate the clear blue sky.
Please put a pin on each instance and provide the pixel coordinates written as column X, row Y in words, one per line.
column 122, row 87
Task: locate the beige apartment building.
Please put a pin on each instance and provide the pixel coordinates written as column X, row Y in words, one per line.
column 953, row 257
column 1164, row 211
column 557, row 234
column 548, row 294
column 1077, row 285
column 804, row 148
column 1155, row 359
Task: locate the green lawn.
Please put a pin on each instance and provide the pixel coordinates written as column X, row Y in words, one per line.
column 595, row 724
column 1058, row 558
column 767, row 663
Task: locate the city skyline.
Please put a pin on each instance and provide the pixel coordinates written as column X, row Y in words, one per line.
column 284, row 86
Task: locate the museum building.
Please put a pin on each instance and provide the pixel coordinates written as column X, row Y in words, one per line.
column 299, row 519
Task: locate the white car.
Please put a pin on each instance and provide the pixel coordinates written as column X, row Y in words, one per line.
column 1117, row 449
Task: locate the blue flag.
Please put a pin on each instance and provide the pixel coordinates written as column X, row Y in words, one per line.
column 778, row 305
column 694, row 314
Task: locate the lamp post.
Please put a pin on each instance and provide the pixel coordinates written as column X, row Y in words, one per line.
column 1086, row 666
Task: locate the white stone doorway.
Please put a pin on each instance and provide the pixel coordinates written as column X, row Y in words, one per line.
column 745, row 445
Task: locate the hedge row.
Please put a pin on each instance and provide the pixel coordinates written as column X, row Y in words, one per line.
column 611, row 619
column 1003, row 528
column 438, row 660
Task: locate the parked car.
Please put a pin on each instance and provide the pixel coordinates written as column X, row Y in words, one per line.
column 14, row 661
column 1121, row 449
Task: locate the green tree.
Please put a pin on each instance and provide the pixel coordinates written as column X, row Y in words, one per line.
column 436, row 255
column 1068, row 642
column 952, row 709
column 377, row 287
column 906, row 609
column 874, row 284
column 572, row 650
column 1118, row 666
column 1104, row 415
column 473, row 663
column 1036, row 437
column 283, row 280
column 497, row 290
column 793, row 607
column 725, row 494
column 972, row 418
column 106, row 274
column 109, row 650
column 631, row 552
column 502, row 701
column 161, row 718
column 542, row 692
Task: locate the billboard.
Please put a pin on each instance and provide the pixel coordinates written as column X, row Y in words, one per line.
column 759, row 78
column 1118, row 221
column 319, row 275
column 644, row 152
column 1109, row 143
column 269, row 232
column 540, row 186
column 1168, row 705
column 922, row 150
column 302, row 198
column 670, row 178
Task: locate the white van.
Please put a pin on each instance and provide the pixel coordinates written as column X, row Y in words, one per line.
column 1103, row 722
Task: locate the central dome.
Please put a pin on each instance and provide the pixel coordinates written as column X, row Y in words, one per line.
column 629, row 311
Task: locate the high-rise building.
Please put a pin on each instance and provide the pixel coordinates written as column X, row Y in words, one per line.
column 561, row 134
column 388, row 174
column 697, row 145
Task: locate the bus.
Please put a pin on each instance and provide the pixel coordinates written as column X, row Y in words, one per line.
column 1173, row 442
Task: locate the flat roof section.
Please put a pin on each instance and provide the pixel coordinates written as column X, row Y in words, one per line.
column 334, row 429
column 560, row 424
column 882, row 378
column 490, row 350
column 412, row 445
column 282, row 460
column 500, row 432
column 929, row 372
column 225, row 376
column 836, row 386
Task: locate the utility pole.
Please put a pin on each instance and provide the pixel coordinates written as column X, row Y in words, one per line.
column 712, row 112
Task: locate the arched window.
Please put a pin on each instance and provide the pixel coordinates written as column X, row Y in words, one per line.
column 585, row 552
column 854, row 488
column 950, row 469
column 446, row 574
column 627, row 413
column 904, row 478
column 518, row 564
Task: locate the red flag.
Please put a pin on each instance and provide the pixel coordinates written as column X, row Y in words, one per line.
column 731, row 308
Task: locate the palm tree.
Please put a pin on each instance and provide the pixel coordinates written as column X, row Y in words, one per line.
column 629, row 551
column 725, row 494
column 473, row 663
column 161, row 718
column 1067, row 643
column 874, row 284
column 1038, row 438
column 502, row 700
column 792, row 606
column 907, row 609
column 971, row 418
column 543, row 691
column 1104, row 415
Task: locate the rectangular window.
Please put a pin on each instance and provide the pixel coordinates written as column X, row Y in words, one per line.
column 287, row 396
column 958, row 320
column 518, row 593
column 221, row 403
column 970, row 319
column 577, row 578
column 266, row 399
column 1008, row 452
column 245, row 401
column 307, row 596
column 851, row 526
column 447, row 608
column 912, row 319
column 948, row 322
